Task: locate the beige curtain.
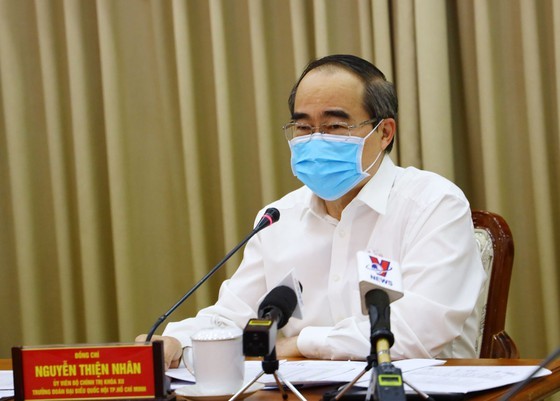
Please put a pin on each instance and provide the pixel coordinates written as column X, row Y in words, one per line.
column 138, row 139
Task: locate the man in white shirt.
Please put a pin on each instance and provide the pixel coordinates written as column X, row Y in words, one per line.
column 355, row 199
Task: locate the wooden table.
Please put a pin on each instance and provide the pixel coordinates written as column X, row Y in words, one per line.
column 537, row 389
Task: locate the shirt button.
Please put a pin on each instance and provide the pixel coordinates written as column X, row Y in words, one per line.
column 336, row 277
column 342, row 233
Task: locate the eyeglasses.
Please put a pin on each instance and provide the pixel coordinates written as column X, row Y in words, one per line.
column 293, row 130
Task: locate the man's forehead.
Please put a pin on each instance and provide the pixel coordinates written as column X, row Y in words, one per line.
column 329, row 94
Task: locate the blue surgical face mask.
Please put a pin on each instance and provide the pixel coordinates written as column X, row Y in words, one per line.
column 330, row 165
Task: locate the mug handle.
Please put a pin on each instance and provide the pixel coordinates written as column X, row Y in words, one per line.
column 188, row 359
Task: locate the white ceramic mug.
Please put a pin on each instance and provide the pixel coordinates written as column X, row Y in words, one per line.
column 216, row 360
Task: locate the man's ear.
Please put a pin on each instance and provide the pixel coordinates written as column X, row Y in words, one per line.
column 388, row 130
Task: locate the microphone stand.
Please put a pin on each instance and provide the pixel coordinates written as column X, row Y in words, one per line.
column 392, row 375
column 270, row 366
column 371, row 361
column 386, row 383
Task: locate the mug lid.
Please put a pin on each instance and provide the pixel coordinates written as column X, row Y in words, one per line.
column 217, row 333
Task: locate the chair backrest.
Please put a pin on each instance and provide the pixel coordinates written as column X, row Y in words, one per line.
column 495, row 243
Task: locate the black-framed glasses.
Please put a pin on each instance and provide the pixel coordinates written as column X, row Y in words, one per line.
column 294, row 129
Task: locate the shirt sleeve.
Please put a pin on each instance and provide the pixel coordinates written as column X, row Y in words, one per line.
column 442, row 276
column 348, row 339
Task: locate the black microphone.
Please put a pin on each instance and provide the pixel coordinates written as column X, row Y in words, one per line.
column 377, row 302
column 259, row 335
column 389, row 383
column 380, row 283
column 271, row 216
column 278, row 305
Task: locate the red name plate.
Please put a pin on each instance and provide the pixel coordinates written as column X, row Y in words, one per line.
column 116, row 371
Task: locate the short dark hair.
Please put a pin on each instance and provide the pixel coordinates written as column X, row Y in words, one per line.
column 380, row 97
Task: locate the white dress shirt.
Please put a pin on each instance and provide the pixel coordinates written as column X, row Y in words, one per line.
column 416, row 218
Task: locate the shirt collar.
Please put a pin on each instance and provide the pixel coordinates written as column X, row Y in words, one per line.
column 376, row 192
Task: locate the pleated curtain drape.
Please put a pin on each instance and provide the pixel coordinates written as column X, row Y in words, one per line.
column 139, row 138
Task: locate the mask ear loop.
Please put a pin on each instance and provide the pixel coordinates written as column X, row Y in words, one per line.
column 380, row 152
column 375, row 161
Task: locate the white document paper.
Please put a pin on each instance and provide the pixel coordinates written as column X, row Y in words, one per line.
column 301, row 373
column 465, row 379
column 320, row 372
column 308, row 372
column 313, row 373
column 424, row 374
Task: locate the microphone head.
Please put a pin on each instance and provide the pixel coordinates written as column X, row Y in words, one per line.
column 273, row 213
column 270, row 216
column 376, row 272
column 282, row 299
column 377, row 297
